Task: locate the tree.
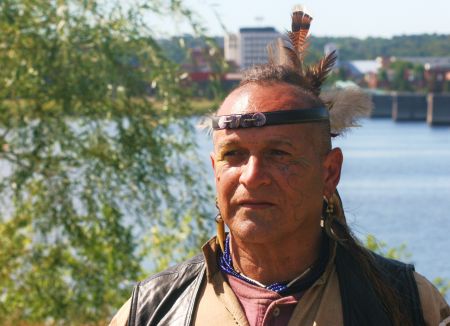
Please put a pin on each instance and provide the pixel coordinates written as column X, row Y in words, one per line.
column 93, row 170
column 352, row 48
column 400, row 80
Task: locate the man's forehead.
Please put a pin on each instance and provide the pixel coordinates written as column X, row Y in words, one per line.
column 263, row 98
column 270, row 135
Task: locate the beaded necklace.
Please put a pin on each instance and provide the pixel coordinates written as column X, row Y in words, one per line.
column 299, row 284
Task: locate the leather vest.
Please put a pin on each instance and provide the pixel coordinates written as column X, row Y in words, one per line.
column 169, row 297
column 361, row 305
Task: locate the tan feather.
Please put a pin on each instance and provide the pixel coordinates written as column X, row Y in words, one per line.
column 319, row 72
column 298, row 38
column 271, row 54
column 286, row 55
column 299, row 34
column 292, row 57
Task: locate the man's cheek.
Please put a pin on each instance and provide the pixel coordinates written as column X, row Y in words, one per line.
column 218, row 170
column 225, row 172
column 294, row 174
column 295, row 181
column 299, row 204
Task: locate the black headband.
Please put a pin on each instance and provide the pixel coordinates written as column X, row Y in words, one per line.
column 260, row 119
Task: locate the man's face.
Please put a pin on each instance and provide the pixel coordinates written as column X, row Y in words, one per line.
column 270, row 181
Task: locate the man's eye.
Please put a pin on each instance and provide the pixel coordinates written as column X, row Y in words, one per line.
column 233, row 155
column 277, row 152
column 230, row 153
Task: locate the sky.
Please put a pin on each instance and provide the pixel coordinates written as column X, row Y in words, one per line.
column 359, row 18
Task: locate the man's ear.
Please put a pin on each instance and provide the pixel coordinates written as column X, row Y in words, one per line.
column 332, row 166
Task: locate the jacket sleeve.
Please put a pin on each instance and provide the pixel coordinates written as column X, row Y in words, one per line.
column 121, row 317
column 435, row 308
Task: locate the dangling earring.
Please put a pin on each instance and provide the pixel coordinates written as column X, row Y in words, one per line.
column 330, row 208
column 327, row 216
column 220, row 229
column 327, row 210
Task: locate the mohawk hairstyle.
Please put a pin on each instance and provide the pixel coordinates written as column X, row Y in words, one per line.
column 346, row 106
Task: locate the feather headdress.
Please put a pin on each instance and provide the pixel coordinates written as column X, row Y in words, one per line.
column 346, row 106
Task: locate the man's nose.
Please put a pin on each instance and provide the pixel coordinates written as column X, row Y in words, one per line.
column 254, row 173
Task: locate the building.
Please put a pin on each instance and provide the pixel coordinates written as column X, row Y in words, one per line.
column 231, row 49
column 430, row 74
column 249, row 47
column 436, row 72
column 362, row 72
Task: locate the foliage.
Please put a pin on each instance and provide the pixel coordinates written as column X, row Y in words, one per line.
column 400, row 80
column 380, row 247
column 88, row 163
column 402, row 76
column 352, row 48
column 175, row 46
column 443, row 285
column 200, row 55
column 401, row 253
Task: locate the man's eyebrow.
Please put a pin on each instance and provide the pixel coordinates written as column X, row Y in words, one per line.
column 227, row 143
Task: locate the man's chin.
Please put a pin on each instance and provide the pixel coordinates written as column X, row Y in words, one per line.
column 251, row 232
column 258, row 213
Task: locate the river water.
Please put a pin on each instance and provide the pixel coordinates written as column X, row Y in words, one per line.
column 395, row 185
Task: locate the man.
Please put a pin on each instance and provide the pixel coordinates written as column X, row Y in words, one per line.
column 289, row 258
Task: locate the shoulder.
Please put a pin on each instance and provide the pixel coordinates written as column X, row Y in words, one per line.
column 391, row 265
column 435, row 308
column 192, row 266
column 121, row 317
column 159, row 287
column 168, row 295
column 163, row 285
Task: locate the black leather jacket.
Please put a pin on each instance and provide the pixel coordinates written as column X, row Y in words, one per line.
column 169, row 298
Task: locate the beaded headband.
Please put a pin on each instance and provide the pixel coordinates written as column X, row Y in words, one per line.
column 261, row 119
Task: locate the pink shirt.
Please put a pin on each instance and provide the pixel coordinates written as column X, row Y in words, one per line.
column 261, row 306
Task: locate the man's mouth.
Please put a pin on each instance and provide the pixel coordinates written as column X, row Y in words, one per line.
column 255, row 204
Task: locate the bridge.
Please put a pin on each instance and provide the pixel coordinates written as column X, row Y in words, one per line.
column 432, row 108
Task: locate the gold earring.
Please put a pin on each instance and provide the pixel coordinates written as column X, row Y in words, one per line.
column 220, row 229
column 328, row 210
column 328, row 216
column 220, row 239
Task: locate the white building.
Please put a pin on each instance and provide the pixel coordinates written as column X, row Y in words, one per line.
column 249, row 47
column 231, row 48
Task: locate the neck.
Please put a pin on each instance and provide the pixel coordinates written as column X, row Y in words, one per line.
column 278, row 260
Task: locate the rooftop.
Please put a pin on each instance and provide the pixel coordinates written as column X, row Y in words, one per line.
column 431, row 62
column 257, row 30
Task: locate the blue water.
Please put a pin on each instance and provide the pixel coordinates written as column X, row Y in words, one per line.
column 395, row 185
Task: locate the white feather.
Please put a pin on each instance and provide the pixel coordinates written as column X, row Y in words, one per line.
column 347, row 107
column 205, row 124
column 303, row 9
